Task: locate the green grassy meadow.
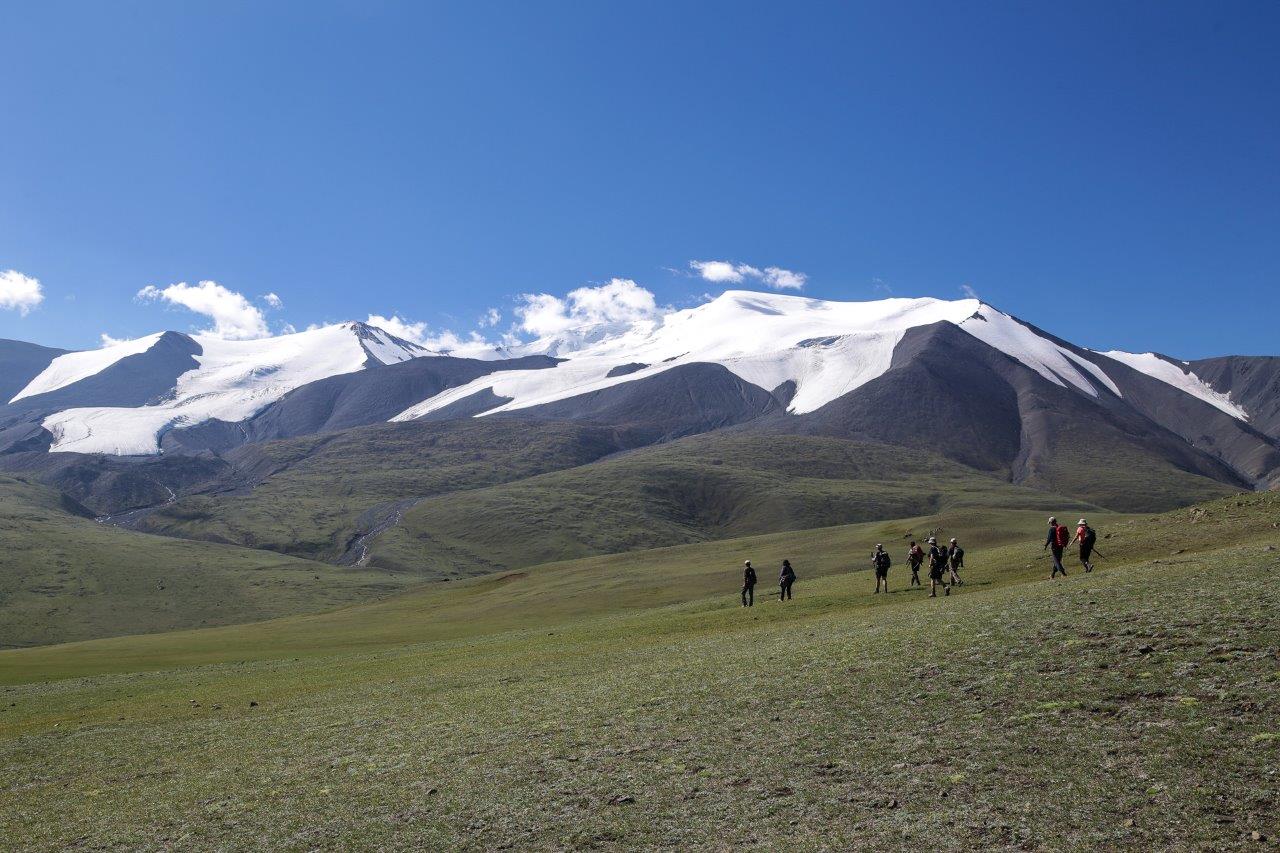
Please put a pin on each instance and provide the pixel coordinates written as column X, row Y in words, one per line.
column 65, row 577
column 629, row 701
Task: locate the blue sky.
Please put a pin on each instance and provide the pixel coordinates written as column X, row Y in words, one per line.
column 1107, row 171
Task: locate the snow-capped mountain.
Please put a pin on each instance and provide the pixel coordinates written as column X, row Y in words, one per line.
column 226, row 379
column 825, row 349
column 958, row 377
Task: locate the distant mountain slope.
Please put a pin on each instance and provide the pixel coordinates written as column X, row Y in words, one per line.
column 685, row 400
column 344, row 401
column 1254, row 383
column 947, row 392
column 129, row 380
column 1136, row 431
column 20, row 362
column 313, row 495
column 64, row 577
column 707, row 487
column 123, row 398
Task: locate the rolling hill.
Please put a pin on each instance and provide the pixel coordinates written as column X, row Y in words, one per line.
column 632, row 702
column 65, row 577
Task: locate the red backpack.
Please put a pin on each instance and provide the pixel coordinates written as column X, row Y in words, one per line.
column 1061, row 536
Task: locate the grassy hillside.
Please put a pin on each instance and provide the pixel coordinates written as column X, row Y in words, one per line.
column 314, row 489
column 1142, row 702
column 65, row 577
column 703, row 488
column 1096, row 466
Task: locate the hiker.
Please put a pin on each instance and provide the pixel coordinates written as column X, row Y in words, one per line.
column 937, row 567
column 1056, row 542
column 915, row 559
column 785, row 580
column 748, row 585
column 955, row 561
column 1087, row 537
column 881, row 561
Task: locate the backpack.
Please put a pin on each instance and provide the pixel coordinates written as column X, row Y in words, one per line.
column 1061, row 538
column 1090, row 536
column 957, row 555
column 883, row 560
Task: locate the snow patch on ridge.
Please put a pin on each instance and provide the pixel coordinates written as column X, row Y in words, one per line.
column 234, row 381
column 1052, row 361
column 74, row 366
column 1169, row 373
column 827, row 348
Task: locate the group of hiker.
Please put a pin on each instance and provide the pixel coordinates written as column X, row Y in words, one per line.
column 785, row 579
column 945, row 562
column 1060, row 539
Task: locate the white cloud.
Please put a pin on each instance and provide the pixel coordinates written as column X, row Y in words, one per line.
column 621, row 300
column 19, row 292
column 968, row 291
column 273, row 301
column 108, row 341
column 720, row 272
column 400, row 327
column 473, row 344
column 777, row 277
column 729, row 272
column 492, row 317
column 234, row 317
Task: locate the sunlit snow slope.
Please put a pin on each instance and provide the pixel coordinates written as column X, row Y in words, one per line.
column 235, row 380
column 1180, row 377
column 826, row 348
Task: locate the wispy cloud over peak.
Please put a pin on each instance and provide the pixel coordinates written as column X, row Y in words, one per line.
column 730, row 272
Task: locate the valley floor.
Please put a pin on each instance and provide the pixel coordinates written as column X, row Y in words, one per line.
column 1137, row 707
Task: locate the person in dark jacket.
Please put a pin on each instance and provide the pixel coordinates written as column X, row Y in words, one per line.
column 748, row 585
column 915, row 559
column 937, row 568
column 955, row 562
column 1056, row 542
column 785, row 580
column 880, row 561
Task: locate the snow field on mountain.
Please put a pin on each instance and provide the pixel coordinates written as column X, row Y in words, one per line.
column 74, row 366
column 1053, row 362
column 827, row 349
column 235, row 380
column 1184, row 380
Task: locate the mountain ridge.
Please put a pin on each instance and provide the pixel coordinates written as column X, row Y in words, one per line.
column 962, row 378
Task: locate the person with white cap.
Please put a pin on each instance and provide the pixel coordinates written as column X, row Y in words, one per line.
column 748, row 585
column 1086, row 536
column 880, row 560
column 955, row 562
